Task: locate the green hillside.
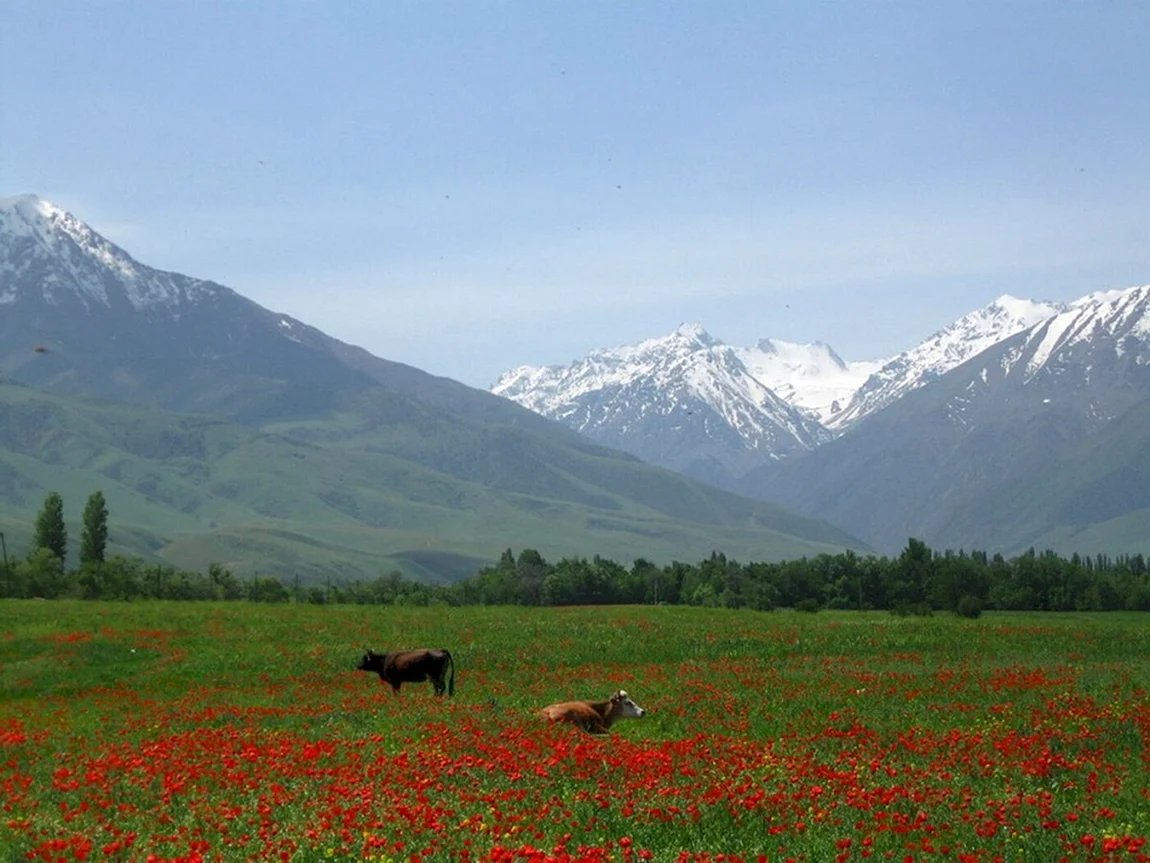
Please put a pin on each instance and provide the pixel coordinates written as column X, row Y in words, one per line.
column 1095, row 499
column 385, row 483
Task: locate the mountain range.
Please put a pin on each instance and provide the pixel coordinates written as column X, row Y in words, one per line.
column 221, row 431
column 685, row 401
column 1016, row 425
column 1041, row 440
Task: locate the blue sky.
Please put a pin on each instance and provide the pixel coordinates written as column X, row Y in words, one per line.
column 467, row 187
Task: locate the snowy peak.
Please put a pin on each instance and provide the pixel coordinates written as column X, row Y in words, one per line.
column 949, row 348
column 28, row 208
column 679, row 400
column 1041, row 438
column 686, row 399
column 694, row 334
column 46, row 249
column 544, row 389
column 1007, row 309
column 1108, row 325
column 31, row 217
column 805, row 359
column 812, row 377
column 975, row 332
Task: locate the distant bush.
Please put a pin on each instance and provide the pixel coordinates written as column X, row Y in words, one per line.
column 968, row 606
column 809, row 605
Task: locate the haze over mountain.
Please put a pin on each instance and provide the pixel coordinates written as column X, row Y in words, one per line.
column 340, row 461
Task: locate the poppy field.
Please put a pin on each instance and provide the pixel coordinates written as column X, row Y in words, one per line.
column 187, row 731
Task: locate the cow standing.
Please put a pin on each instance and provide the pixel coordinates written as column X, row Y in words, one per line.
column 596, row 717
column 411, row 666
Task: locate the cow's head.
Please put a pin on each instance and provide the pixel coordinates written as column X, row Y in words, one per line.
column 371, row 661
column 624, row 707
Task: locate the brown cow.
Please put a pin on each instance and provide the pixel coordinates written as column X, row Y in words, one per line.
column 596, row 717
column 411, row 666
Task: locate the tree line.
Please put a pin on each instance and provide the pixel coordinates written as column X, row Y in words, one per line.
column 920, row 580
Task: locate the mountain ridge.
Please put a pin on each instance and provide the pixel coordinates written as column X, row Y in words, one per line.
column 685, row 401
column 795, row 397
column 1005, row 450
column 69, row 329
column 944, row 350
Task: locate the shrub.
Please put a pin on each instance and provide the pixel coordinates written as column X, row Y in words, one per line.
column 968, row 606
column 808, row 605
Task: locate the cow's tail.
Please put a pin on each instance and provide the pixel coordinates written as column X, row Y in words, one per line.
column 451, row 680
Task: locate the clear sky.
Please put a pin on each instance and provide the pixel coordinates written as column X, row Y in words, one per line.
column 472, row 186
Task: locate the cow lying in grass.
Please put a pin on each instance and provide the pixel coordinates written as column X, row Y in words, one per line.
column 411, row 666
column 596, row 717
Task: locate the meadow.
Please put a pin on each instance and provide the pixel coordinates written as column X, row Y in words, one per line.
column 187, row 731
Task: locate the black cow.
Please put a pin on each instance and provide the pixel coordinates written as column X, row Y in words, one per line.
column 411, row 666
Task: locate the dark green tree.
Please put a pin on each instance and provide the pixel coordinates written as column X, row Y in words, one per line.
column 50, row 531
column 912, row 574
column 94, row 538
column 224, row 584
column 530, row 570
column 44, row 575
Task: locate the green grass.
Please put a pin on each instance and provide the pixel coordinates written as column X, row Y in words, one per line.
column 358, row 494
column 1019, row 735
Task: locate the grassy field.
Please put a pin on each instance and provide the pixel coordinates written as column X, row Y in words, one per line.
column 359, row 494
column 188, row 731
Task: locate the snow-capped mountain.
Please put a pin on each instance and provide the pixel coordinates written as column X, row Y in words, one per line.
column 80, row 316
column 685, row 401
column 335, row 439
column 690, row 402
column 1041, row 439
column 812, row 376
column 948, row 348
column 1086, row 333
column 66, row 261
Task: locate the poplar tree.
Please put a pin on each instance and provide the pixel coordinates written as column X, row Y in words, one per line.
column 50, row 531
column 95, row 536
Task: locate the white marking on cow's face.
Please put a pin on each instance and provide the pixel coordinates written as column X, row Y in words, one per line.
column 628, row 709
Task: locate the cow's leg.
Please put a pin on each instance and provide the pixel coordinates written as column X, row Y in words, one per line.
column 595, row 726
